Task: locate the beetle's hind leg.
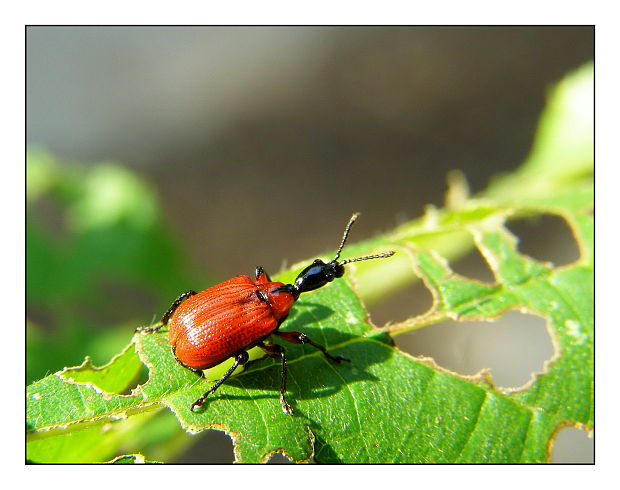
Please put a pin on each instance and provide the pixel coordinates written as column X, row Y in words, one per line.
column 275, row 351
column 175, row 305
column 301, row 338
column 240, row 359
column 199, row 372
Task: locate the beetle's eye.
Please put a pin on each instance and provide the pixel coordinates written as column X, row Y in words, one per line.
column 339, row 272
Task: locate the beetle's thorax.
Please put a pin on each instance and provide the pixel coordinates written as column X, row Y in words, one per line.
column 281, row 301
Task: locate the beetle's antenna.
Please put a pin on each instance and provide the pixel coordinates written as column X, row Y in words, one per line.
column 344, row 239
column 345, row 235
column 378, row 256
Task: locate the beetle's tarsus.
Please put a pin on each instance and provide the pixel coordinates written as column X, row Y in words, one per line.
column 197, row 404
column 286, row 408
column 148, row 329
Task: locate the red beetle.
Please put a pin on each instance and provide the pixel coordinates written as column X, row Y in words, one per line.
column 227, row 319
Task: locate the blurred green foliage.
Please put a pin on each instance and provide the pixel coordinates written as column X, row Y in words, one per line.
column 100, row 261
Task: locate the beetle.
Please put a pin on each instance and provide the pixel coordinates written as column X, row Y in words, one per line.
column 228, row 319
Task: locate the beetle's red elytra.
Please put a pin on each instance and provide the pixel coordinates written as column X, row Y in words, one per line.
column 234, row 316
column 209, row 326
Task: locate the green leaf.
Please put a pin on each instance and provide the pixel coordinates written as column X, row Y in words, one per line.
column 317, row 389
column 114, row 377
column 387, row 406
column 61, row 403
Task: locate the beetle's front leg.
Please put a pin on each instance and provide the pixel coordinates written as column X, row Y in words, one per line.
column 301, row 338
column 240, row 359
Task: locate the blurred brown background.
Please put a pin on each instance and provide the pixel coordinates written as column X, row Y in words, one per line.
column 261, row 141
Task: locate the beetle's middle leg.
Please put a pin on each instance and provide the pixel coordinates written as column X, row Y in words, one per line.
column 275, row 351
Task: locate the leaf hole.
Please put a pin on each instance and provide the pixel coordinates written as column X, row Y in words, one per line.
column 141, row 378
column 572, row 445
column 211, row 446
column 411, row 300
column 513, row 347
column 474, row 266
column 277, row 458
column 545, row 237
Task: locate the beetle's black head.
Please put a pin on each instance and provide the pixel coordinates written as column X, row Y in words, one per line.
column 317, row 274
column 320, row 273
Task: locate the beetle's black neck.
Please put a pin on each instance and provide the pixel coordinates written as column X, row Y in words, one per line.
column 288, row 288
